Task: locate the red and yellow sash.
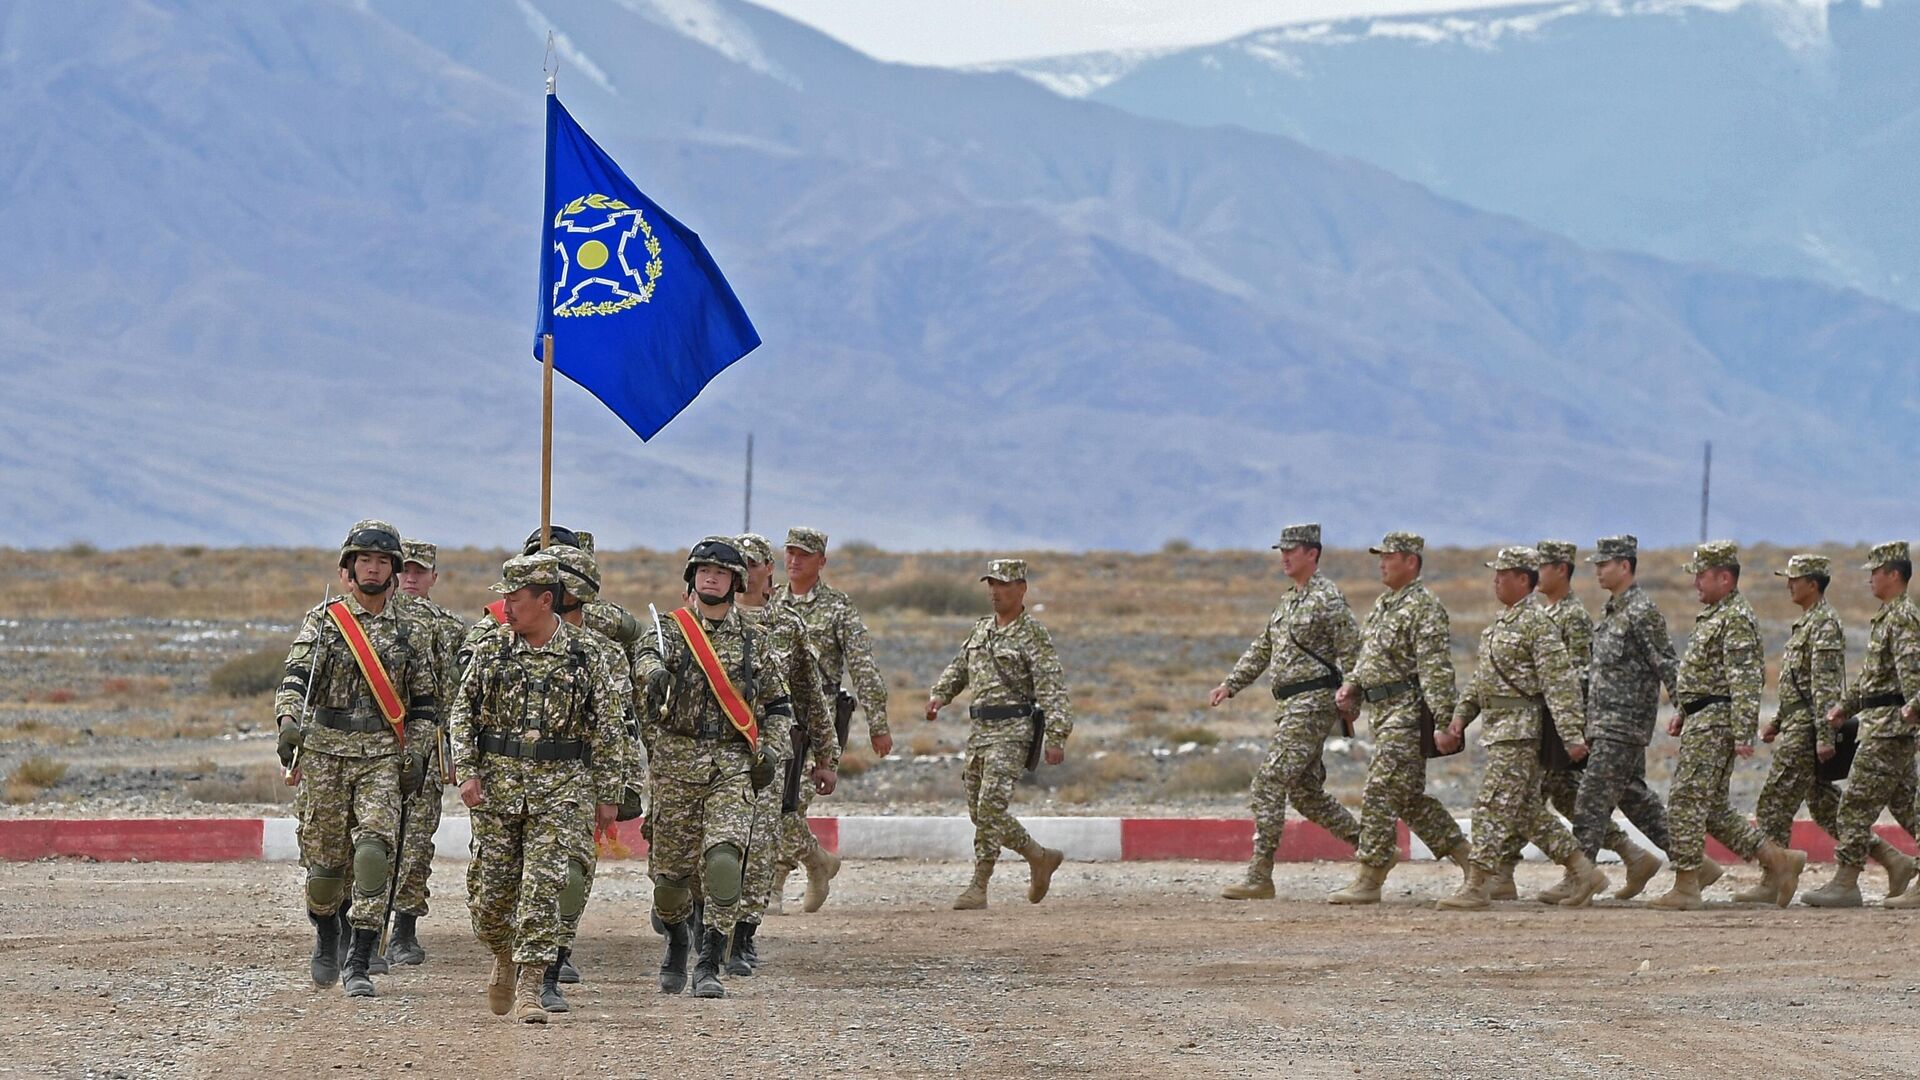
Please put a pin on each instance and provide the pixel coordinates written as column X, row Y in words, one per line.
column 371, row 668
column 498, row 609
column 724, row 691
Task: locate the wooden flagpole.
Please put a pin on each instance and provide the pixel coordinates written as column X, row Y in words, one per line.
column 546, row 440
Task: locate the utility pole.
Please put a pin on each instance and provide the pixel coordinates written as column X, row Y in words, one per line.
column 1706, row 490
column 746, row 516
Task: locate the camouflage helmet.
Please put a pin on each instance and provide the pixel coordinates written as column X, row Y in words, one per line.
column 371, row 535
column 721, row 551
column 560, row 533
column 579, row 573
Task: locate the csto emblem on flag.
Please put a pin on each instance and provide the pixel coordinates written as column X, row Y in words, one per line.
column 609, row 259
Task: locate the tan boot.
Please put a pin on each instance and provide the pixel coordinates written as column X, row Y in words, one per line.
column 1561, row 889
column 975, row 896
column 1908, row 898
column 1472, row 895
column 1587, row 880
column 1501, row 887
column 1641, row 865
column 1710, row 871
column 500, row 984
column 777, row 899
column 1259, row 883
column 822, row 867
column 1899, row 866
column 1365, row 888
column 1764, row 891
column 1842, row 891
column 1459, row 854
column 526, row 996
column 1041, row 863
column 1685, row 894
column 1787, row 866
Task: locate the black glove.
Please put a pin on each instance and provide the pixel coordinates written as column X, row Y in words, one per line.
column 413, row 775
column 657, row 682
column 291, row 739
column 762, row 772
column 632, row 804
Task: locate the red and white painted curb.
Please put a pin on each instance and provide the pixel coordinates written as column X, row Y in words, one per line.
column 1088, row 839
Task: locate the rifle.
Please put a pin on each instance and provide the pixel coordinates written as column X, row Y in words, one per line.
column 288, row 774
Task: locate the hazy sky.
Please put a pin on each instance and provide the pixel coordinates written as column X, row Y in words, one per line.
column 976, row 31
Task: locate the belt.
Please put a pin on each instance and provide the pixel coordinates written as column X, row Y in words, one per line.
column 1694, row 705
column 1510, row 701
column 1881, row 701
column 344, row 720
column 537, row 750
column 1293, row 690
column 999, row 712
column 1389, row 690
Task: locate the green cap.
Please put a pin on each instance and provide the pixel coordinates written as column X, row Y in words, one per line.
column 1556, row 551
column 1624, row 546
column 419, row 552
column 1714, row 555
column 812, row 541
column 1006, row 570
column 757, row 548
column 1806, row 565
column 1294, row 536
column 1882, row 554
column 523, row 570
column 1516, row 558
column 1403, row 542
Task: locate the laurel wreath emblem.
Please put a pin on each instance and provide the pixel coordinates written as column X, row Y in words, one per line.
column 651, row 271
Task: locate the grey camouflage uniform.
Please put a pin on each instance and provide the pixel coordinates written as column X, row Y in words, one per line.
column 1632, row 657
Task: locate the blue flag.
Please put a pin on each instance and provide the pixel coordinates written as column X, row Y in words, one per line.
column 639, row 314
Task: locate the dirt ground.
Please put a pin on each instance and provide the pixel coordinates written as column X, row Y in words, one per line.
column 1126, row 970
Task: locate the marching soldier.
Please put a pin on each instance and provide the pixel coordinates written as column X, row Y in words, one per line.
column 840, row 642
column 356, row 722
column 721, row 684
column 537, row 738
column 787, row 649
column 1719, row 684
column 1019, row 699
column 1882, row 699
column 417, row 578
column 1523, row 678
column 1405, row 671
column 1310, row 642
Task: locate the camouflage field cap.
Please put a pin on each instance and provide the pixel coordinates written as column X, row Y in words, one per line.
column 418, row 552
column 1515, row 558
column 812, row 541
column 1609, row 548
column 1556, row 551
column 1005, row 570
column 1714, row 555
column 522, row 571
column 579, row 572
column 1882, row 554
column 1294, row 536
column 757, row 548
column 1807, row 566
column 1403, row 542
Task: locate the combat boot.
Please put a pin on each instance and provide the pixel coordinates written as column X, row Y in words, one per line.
column 356, row 981
column 1561, row 889
column 1787, row 866
column 526, row 995
column 1041, row 863
column 822, row 867
column 1459, row 854
column 1259, row 883
column 1764, row 891
column 500, row 984
column 706, row 973
column 1588, row 880
column 975, row 896
column 569, row 975
column 673, row 969
column 1500, row 884
column 741, row 958
column 1842, row 891
column 777, row 899
column 551, row 1000
column 1685, row 894
column 325, row 964
column 1710, row 871
column 1641, row 865
column 1365, row 888
column 343, row 936
column 1472, row 895
column 404, row 946
column 1899, row 866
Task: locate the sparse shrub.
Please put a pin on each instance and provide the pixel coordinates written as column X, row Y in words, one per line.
column 33, row 776
column 930, row 595
column 193, row 551
column 253, row 673
column 260, row 784
column 1192, row 733
column 81, row 549
column 1179, row 545
column 856, row 760
column 1211, row 774
column 856, row 549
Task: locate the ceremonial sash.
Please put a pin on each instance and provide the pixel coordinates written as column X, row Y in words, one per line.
column 371, row 668
column 498, row 609
column 723, row 689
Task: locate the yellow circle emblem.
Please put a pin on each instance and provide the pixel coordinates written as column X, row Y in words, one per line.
column 592, row 255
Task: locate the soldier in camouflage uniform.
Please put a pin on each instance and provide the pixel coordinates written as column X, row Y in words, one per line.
column 1882, row 699
column 417, row 578
column 1719, row 684
column 537, row 738
column 706, row 770
column 1523, row 677
column 351, row 765
column 1405, row 666
column 787, row 649
column 1309, row 642
column 840, row 642
column 1010, row 665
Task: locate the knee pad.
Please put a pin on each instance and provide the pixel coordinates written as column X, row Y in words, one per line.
column 723, row 874
column 324, row 886
column 573, row 895
column 370, row 865
column 671, row 894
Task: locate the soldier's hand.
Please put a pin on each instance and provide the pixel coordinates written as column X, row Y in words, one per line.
column 1675, row 722
column 605, row 814
column 824, row 780
column 293, row 777
column 291, row 739
column 1445, row 741
column 882, row 743
column 1769, row 733
column 1218, row 696
column 1056, row 754
column 1911, row 713
column 1744, row 749
column 1836, row 717
column 933, row 709
column 1826, row 752
column 1577, row 751
column 657, row 681
column 1348, row 696
column 472, row 794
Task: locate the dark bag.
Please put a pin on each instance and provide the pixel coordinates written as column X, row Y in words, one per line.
column 1553, row 752
column 1846, row 743
column 1037, row 745
column 796, row 769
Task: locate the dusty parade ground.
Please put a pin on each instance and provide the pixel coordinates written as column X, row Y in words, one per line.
column 1127, row 970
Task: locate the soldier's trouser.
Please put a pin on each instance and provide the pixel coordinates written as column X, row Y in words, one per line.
column 519, row 867
column 702, row 814
column 1509, row 811
column 991, row 772
column 1397, row 789
column 416, row 853
column 1698, row 803
column 761, row 861
column 586, row 857
column 1793, row 779
column 1293, row 769
column 1882, row 778
column 797, row 842
column 1616, row 775
column 348, row 803
column 1560, row 790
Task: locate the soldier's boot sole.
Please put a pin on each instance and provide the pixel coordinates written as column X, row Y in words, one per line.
column 1249, row 890
column 1684, row 896
column 821, row 870
column 1642, row 865
column 500, row 985
column 1040, row 868
column 1588, row 883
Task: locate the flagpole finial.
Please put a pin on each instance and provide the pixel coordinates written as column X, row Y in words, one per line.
column 551, row 63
